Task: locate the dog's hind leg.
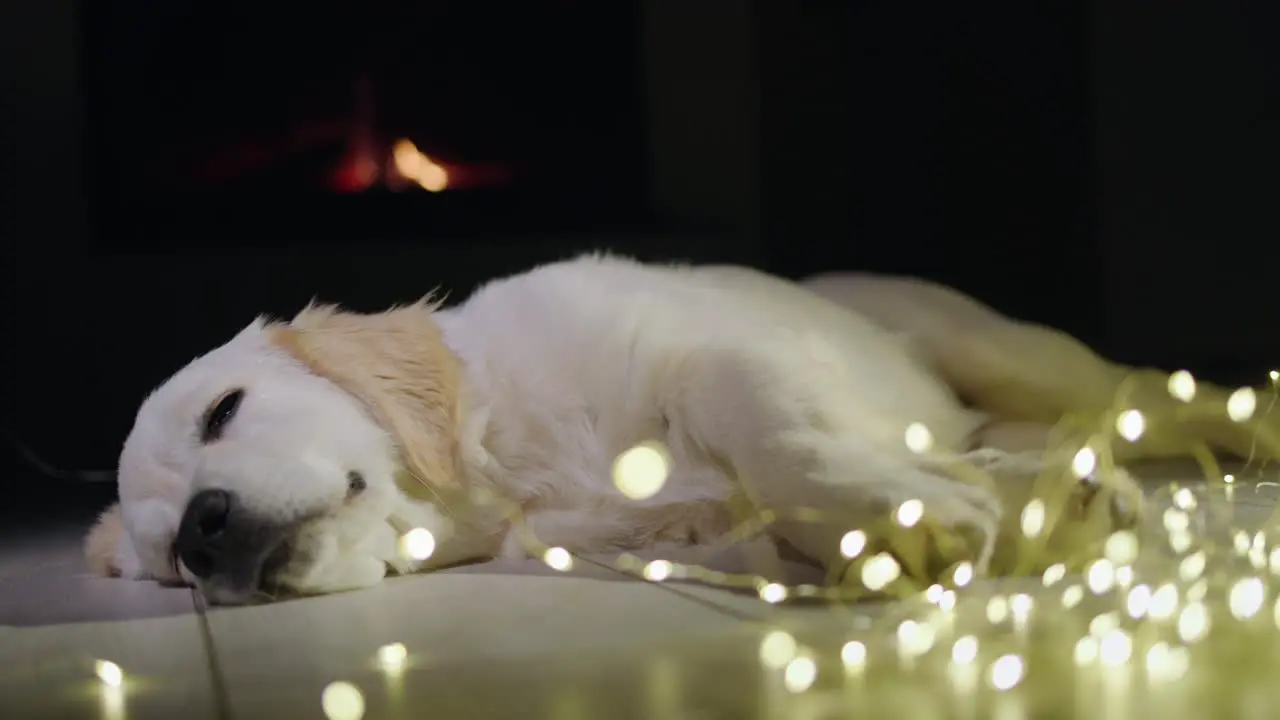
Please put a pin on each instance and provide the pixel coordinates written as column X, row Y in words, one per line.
column 1021, row 372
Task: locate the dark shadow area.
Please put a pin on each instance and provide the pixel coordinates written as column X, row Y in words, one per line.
column 174, row 170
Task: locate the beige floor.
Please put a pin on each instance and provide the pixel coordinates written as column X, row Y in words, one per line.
column 513, row 640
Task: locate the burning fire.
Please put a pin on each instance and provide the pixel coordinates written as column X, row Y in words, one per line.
column 413, row 165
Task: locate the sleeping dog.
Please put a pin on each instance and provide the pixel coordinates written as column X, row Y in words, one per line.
column 297, row 455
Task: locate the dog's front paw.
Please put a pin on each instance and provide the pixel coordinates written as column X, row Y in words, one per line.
column 109, row 550
column 1057, row 517
column 347, row 572
column 335, row 568
column 1096, row 507
column 962, row 523
column 929, row 537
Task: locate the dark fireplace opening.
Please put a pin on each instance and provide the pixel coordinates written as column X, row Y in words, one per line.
column 383, row 119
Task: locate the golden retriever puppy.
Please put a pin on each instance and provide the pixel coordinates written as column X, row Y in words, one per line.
column 296, row 456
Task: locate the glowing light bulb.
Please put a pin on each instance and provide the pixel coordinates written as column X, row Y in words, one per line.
column 1246, row 597
column 391, row 657
column 1241, row 404
column 1192, row 566
column 997, row 610
column 934, row 593
column 418, row 544
column 880, row 570
column 773, row 593
column 1054, row 574
column 109, row 673
column 915, row 639
column 557, row 558
column 800, row 674
column 1138, row 601
column 918, row 438
column 658, row 570
column 1182, row 386
column 963, row 574
column 1084, row 462
column 1193, row 622
column 1164, row 602
column 853, row 655
column 1020, row 605
column 1167, row 664
column 965, row 651
column 1180, row 541
column 1185, row 499
column 1033, row 518
column 1240, row 541
column 640, row 472
column 1085, row 651
column 1101, row 576
column 777, row 649
column 1198, row 590
column 853, row 543
column 1122, row 547
column 1006, row 672
column 1103, row 623
column 909, row 513
column 1124, row 576
column 1176, row 520
column 1115, row 648
column 1130, row 425
column 342, row 701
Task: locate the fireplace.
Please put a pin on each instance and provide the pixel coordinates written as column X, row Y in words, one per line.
column 388, row 119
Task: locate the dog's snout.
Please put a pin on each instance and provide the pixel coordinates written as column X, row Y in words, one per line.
column 209, row 510
column 228, row 547
column 202, row 544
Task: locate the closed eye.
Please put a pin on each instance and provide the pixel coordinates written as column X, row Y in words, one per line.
column 216, row 418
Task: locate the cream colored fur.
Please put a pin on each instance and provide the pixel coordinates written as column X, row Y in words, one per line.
column 761, row 389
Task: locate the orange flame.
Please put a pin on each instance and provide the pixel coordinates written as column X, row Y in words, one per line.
column 413, row 165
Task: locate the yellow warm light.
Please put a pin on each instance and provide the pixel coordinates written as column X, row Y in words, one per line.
column 918, row 438
column 640, row 472
column 418, row 544
column 777, row 649
column 415, row 166
column 557, row 558
column 109, row 673
column 342, row 701
column 391, row 657
column 1182, row 386
column 1130, row 425
column 1006, row 672
column 1241, row 404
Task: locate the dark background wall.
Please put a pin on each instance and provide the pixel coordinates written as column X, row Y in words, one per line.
column 1109, row 168
column 1186, row 102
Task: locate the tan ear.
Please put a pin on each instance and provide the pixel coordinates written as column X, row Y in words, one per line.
column 103, row 541
column 397, row 365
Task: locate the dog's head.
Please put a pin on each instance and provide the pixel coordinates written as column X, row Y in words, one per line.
column 292, row 458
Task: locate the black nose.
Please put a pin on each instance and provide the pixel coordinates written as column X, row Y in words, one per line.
column 202, row 536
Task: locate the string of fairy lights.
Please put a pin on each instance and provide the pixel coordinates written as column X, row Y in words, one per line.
column 1171, row 615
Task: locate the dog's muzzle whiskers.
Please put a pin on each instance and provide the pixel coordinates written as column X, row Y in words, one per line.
column 439, row 499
